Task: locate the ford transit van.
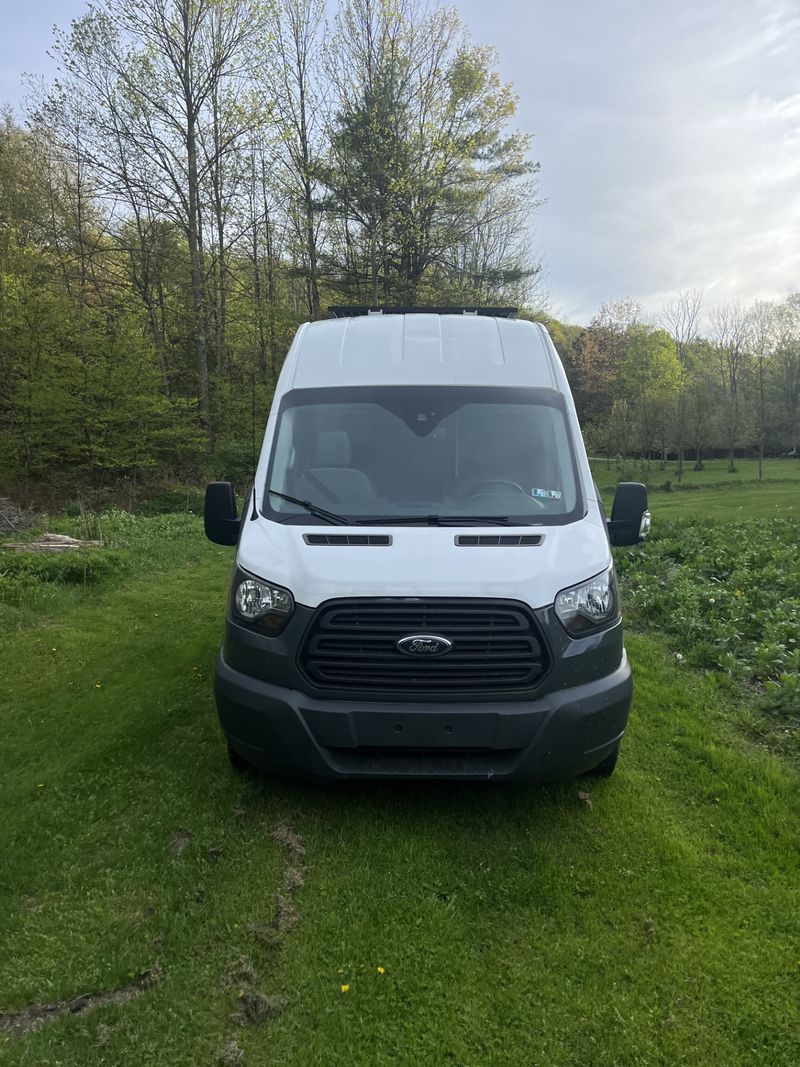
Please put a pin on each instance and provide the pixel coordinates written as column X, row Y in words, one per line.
column 423, row 584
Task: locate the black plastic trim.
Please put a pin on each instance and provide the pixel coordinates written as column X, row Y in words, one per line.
column 348, row 311
column 498, row 540
column 347, row 539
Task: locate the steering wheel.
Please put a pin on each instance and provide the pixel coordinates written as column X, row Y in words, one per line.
column 497, row 485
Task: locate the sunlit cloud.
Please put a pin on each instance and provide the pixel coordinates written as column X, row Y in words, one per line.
column 670, row 146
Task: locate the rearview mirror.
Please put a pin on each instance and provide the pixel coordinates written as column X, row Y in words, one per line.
column 630, row 520
column 219, row 515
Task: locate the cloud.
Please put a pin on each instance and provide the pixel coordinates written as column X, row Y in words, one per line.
column 670, row 145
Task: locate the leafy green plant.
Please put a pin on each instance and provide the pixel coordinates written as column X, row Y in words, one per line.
column 728, row 596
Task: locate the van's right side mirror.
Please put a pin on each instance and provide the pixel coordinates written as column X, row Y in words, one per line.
column 630, row 520
column 219, row 515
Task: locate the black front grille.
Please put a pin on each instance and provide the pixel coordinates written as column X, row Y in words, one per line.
column 352, row 645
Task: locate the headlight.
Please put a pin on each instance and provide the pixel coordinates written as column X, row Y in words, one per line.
column 262, row 602
column 590, row 606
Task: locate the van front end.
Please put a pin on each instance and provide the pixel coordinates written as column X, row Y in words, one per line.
column 413, row 686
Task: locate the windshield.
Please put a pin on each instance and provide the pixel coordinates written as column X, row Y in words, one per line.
column 400, row 453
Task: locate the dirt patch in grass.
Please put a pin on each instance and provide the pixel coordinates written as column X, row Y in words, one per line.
column 286, row 914
column 254, row 1007
column 291, row 841
column 178, row 844
column 33, row 1016
column 230, row 1054
column 293, row 879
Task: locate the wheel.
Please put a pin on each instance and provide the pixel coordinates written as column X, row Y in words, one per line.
column 605, row 768
column 238, row 762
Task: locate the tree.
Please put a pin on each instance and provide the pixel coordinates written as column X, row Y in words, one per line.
column 786, row 359
column 648, row 379
column 79, row 384
column 600, row 352
column 147, row 78
column 762, row 322
column 680, row 317
column 730, row 336
column 702, row 400
column 293, row 80
column 422, row 169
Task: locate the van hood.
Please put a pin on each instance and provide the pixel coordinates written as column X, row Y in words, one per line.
column 425, row 561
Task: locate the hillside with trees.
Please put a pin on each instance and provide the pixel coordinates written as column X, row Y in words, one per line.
column 204, row 175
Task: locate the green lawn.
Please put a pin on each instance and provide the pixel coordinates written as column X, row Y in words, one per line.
column 654, row 921
column 742, row 503
column 714, row 473
column 712, row 492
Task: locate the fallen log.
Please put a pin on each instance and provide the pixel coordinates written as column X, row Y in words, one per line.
column 50, row 542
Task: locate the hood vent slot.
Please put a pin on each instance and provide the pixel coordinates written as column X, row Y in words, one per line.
column 347, row 539
column 498, row 540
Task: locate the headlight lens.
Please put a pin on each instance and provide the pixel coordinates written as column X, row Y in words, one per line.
column 262, row 602
column 590, row 606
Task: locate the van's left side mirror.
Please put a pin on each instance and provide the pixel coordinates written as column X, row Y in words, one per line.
column 219, row 515
column 630, row 520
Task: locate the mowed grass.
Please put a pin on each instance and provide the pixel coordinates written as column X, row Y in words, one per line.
column 712, row 493
column 714, row 474
column 655, row 920
column 749, row 502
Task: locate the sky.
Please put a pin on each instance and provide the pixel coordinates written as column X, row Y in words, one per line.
column 668, row 138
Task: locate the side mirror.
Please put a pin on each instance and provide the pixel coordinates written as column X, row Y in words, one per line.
column 219, row 515
column 630, row 520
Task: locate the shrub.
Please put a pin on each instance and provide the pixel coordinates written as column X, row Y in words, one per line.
column 25, row 576
column 78, row 567
column 171, row 501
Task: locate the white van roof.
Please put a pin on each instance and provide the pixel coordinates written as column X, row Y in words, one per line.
column 421, row 349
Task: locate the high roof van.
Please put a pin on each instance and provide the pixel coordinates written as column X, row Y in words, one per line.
column 423, row 584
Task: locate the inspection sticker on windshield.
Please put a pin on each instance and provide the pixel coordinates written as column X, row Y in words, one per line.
column 546, row 494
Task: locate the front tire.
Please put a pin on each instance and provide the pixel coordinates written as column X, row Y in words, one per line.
column 605, row 768
column 238, row 762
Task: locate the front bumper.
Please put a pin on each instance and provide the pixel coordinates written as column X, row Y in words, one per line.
column 558, row 735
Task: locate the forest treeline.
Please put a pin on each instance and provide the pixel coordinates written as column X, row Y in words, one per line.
column 665, row 388
column 204, row 175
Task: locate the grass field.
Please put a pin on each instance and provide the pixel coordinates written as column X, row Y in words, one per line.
column 651, row 919
column 713, row 492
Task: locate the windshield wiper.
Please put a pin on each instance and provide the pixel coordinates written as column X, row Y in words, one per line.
column 439, row 520
column 321, row 513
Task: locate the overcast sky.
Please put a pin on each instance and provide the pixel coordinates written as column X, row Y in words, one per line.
column 668, row 135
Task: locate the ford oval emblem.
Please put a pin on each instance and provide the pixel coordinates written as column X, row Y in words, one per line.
column 424, row 645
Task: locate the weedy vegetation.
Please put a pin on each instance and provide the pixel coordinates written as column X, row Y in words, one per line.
column 727, row 594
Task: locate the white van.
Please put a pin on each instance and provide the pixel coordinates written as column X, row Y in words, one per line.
column 423, row 583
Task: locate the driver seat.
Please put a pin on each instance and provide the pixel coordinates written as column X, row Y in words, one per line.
column 331, row 481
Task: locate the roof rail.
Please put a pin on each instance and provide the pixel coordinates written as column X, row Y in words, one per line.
column 347, row 311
